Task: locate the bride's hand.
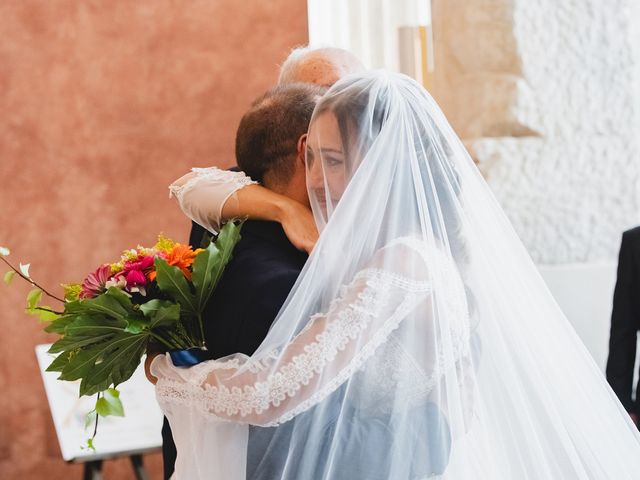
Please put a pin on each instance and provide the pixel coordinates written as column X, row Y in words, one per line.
column 299, row 225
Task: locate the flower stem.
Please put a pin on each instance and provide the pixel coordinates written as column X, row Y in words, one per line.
column 163, row 341
column 202, row 340
column 179, row 342
column 31, row 281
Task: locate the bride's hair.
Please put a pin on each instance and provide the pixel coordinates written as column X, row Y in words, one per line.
column 361, row 113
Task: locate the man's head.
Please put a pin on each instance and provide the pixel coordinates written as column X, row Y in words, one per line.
column 320, row 66
column 271, row 138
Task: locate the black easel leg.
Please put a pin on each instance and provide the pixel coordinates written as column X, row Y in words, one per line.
column 93, row 470
column 138, row 467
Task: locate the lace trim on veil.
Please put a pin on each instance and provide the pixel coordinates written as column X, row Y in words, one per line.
column 349, row 323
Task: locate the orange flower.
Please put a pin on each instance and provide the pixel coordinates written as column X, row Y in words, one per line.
column 182, row 257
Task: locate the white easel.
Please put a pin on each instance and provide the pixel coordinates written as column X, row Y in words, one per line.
column 133, row 435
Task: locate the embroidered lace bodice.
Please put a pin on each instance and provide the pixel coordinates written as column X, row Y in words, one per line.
column 357, row 336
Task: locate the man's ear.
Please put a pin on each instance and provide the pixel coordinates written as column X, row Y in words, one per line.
column 302, row 148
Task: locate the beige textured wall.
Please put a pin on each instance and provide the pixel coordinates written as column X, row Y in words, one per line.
column 546, row 95
column 102, row 104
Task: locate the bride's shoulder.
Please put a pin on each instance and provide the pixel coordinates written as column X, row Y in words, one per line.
column 416, row 246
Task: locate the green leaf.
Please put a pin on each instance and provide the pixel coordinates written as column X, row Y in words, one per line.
column 110, row 404
column 44, row 313
column 162, row 313
column 68, row 343
column 210, row 264
column 9, row 276
column 136, row 325
column 119, row 359
column 82, row 363
column 94, row 325
column 33, row 298
column 25, row 269
column 60, row 324
column 4, row 251
column 107, row 304
column 58, row 363
column 85, row 330
column 90, row 444
column 90, row 420
column 172, row 282
column 123, row 298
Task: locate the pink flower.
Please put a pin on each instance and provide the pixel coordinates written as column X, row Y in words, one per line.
column 141, row 263
column 135, row 273
column 94, row 284
column 135, row 278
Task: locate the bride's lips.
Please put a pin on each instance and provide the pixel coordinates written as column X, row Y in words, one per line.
column 321, row 198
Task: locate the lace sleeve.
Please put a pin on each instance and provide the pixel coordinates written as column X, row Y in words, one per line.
column 331, row 348
column 203, row 192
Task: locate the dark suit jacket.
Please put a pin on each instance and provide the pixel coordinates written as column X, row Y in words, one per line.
column 625, row 321
column 255, row 284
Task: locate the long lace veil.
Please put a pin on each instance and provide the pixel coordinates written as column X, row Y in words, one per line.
column 419, row 340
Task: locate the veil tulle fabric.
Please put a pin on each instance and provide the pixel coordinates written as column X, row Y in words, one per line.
column 419, row 341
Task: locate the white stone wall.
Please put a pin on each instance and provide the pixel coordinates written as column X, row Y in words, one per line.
column 546, row 94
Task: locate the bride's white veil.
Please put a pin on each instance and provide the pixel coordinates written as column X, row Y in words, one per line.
column 419, row 340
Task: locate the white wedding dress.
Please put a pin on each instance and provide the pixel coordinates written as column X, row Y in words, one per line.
column 419, row 341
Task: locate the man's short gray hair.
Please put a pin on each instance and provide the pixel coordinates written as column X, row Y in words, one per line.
column 287, row 69
column 340, row 60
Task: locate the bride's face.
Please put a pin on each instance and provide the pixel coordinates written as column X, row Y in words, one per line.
column 326, row 161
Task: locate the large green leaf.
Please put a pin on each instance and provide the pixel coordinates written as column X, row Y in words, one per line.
column 68, row 343
column 209, row 264
column 121, row 357
column 60, row 324
column 122, row 298
column 81, row 364
column 172, row 282
column 88, row 325
column 162, row 313
column 106, row 304
column 61, row 361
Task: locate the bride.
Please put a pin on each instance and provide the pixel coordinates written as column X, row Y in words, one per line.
column 419, row 341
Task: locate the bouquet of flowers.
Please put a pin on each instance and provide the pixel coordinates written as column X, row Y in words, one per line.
column 150, row 296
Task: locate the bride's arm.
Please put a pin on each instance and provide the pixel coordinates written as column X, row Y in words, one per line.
column 211, row 196
column 312, row 365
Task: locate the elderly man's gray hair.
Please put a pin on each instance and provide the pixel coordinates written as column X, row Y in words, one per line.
column 319, row 65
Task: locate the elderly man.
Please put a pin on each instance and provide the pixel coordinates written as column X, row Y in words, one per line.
column 264, row 260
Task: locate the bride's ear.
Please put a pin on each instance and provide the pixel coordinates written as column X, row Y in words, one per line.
column 302, row 147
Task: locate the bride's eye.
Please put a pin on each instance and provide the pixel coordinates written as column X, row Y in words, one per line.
column 334, row 162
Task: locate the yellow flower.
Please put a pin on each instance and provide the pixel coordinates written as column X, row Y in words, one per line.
column 131, row 254
column 164, row 244
column 71, row 291
column 116, row 267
